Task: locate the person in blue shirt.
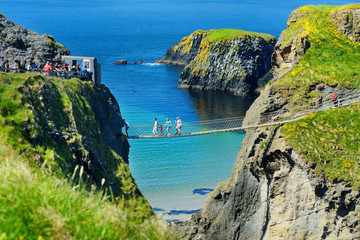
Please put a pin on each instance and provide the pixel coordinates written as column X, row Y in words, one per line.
column 2, row 63
column 168, row 125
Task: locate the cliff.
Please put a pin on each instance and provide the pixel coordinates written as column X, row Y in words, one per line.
column 61, row 163
column 65, row 124
column 224, row 59
column 18, row 43
column 63, row 158
column 300, row 180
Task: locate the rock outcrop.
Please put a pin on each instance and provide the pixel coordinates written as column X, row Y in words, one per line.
column 289, row 50
column 18, row 43
column 348, row 22
column 186, row 50
column 121, row 62
column 107, row 114
column 225, row 59
column 273, row 192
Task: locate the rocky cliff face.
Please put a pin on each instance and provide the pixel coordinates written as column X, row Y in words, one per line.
column 18, row 43
column 348, row 22
column 233, row 64
column 107, row 114
column 78, row 124
column 186, row 50
column 273, row 193
column 289, row 49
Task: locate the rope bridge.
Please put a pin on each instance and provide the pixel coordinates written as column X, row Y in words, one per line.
column 187, row 129
column 234, row 124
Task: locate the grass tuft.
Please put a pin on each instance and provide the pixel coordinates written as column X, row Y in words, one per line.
column 36, row 205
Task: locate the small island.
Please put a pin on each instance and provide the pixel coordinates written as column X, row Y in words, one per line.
column 223, row 59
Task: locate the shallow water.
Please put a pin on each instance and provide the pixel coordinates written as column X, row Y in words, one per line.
column 166, row 170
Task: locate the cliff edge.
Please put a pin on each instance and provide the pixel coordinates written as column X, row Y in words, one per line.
column 222, row 59
column 300, row 180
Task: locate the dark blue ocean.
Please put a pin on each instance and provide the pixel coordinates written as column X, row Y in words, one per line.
column 166, row 170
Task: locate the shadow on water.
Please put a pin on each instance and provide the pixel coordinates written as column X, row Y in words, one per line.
column 202, row 191
column 178, row 212
column 217, row 104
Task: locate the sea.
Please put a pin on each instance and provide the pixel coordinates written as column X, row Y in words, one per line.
column 176, row 175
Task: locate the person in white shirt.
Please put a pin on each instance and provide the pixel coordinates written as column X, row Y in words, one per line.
column 178, row 126
column 156, row 126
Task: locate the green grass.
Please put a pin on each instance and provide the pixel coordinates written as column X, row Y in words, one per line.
column 331, row 60
column 37, row 205
column 330, row 142
column 226, row 34
column 48, row 133
column 53, row 44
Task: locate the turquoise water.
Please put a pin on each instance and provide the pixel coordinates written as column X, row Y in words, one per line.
column 166, row 170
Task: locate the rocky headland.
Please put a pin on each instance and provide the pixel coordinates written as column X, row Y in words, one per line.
column 300, row 180
column 222, row 59
column 18, row 43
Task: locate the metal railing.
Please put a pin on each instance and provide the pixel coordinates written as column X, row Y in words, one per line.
column 85, row 76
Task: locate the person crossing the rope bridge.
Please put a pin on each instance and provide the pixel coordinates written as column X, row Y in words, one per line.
column 156, row 126
column 168, row 125
column 178, row 126
column 127, row 125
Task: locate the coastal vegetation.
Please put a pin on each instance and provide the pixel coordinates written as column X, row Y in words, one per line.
column 331, row 60
column 52, row 184
column 330, row 142
column 227, row 34
column 327, row 140
column 35, row 204
column 52, row 43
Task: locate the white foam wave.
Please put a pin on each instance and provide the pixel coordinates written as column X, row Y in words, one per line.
column 152, row 64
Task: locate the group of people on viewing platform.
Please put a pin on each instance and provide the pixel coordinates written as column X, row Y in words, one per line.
column 56, row 69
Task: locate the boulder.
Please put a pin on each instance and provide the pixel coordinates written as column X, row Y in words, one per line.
column 137, row 62
column 121, row 62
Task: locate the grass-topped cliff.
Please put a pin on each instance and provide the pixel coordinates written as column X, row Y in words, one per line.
column 222, row 59
column 58, row 178
column 331, row 58
column 328, row 140
column 190, row 46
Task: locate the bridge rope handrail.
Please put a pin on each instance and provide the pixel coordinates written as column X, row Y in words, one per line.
column 196, row 122
column 235, row 123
